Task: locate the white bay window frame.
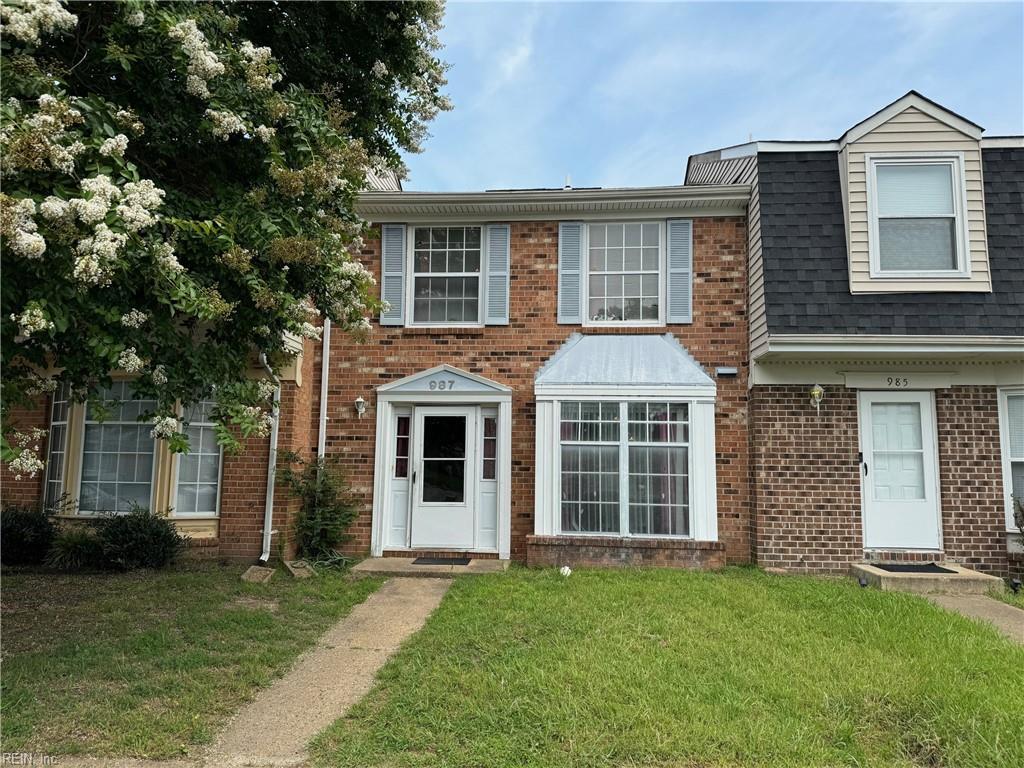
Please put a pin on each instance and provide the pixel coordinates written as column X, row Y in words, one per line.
column 703, row 512
column 954, row 161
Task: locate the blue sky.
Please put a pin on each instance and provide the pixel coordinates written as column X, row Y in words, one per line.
column 619, row 94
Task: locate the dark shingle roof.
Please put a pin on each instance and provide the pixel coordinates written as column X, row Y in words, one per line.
column 807, row 287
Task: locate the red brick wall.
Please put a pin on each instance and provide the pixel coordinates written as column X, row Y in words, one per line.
column 971, row 478
column 512, row 354
column 28, row 491
column 807, row 479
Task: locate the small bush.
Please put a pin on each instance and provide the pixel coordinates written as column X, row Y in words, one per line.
column 25, row 535
column 326, row 512
column 138, row 539
column 76, row 548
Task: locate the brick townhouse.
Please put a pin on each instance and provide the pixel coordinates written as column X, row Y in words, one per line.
column 809, row 354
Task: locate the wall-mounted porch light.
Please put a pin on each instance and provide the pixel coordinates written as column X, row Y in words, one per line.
column 817, row 394
column 360, row 406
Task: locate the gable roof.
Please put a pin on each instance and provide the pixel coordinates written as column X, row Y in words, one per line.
column 619, row 360
column 918, row 101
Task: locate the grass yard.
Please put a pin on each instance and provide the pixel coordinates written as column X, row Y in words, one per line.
column 663, row 668
column 149, row 664
column 1009, row 597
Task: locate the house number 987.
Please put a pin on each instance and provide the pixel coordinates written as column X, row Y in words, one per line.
column 899, row 382
column 443, row 384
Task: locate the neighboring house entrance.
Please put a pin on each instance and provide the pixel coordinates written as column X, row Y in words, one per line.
column 899, row 461
column 442, row 477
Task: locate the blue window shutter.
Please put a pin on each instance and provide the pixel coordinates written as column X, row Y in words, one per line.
column 680, row 271
column 392, row 280
column 570, row 272
column 498, row 267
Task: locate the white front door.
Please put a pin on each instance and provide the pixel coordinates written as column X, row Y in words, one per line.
column 899, row 470
column 444, row 478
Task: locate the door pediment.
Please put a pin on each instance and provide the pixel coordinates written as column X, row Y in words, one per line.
column 444, row 380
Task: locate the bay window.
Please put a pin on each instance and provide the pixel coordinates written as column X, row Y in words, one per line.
column 625, row 468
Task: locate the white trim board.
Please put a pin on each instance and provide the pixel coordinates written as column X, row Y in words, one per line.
column 809, row 346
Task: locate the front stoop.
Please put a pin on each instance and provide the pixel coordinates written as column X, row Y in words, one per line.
column 403, row 566
column 963, row 581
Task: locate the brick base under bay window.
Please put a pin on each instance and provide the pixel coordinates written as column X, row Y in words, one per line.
column 607, row 552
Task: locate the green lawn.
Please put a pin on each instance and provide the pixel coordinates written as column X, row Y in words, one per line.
column 663, row 668
column 150, row 664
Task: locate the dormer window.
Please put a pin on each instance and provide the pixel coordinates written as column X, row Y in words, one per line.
column 916, row 216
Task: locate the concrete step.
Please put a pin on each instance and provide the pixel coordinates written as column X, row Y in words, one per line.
column 404, row 566
column 963, row 581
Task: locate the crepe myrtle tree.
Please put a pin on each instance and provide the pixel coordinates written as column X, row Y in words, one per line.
column 173, row 206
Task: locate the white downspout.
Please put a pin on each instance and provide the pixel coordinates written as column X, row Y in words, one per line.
column 268, row 509
column 325, row 366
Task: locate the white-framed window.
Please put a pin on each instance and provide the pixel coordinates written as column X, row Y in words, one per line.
column 1011, row 429
column 624, row 269
column 403, row 445
column 625, row 468
column 916, row 211
column 445, row 283
column 56, row 464
column 198, row 472
column 118, row 454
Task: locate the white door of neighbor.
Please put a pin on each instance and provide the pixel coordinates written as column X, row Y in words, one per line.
column 899, row 466
column 444, row 478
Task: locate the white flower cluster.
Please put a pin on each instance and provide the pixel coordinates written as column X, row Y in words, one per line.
column 129, row 361
column 264, row 133
column 40, row 385
column 164, row 254
column 26, row 241
column 41, row 134
column 135, row 318
column 102, row 194
column 257, row 67
column 265, row 389
column 264, row 421
column 164, row 427
column 159, row 376
column 203, row 64
column 32, row 320
column 127, row 118
column 225, row 123
column 139, row 198
column 27, row 462
column 94, row 263
column 136, row 19
column 27, row 20
column 115, row 146
column 379, row 69
column 303, row 315
column 53, row 208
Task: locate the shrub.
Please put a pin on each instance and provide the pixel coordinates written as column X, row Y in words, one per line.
column 76, row 548
column 326, row 512
column 25, row 535
column 138, row 539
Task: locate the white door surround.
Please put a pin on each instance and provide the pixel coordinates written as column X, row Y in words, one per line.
column 435, row 422
column 899, row 471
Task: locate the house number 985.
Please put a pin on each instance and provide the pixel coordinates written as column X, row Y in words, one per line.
column 443, row 384
column 899, row 382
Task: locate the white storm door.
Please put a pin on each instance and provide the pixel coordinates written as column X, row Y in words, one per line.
column 444, row 478
column 899, row 471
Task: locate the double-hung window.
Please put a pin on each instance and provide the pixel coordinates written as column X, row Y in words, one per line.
column 625, row 468
column 56, row 464
column 916, row 216
column 446, row 275
column 1011, row 407
column 198, row 478
column 118, row 454
column 624, row 273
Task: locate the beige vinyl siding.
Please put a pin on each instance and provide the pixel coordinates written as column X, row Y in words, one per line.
column 912, row 131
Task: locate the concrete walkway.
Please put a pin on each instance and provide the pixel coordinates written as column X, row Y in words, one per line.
column 274, row 729
column 1004, row 617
